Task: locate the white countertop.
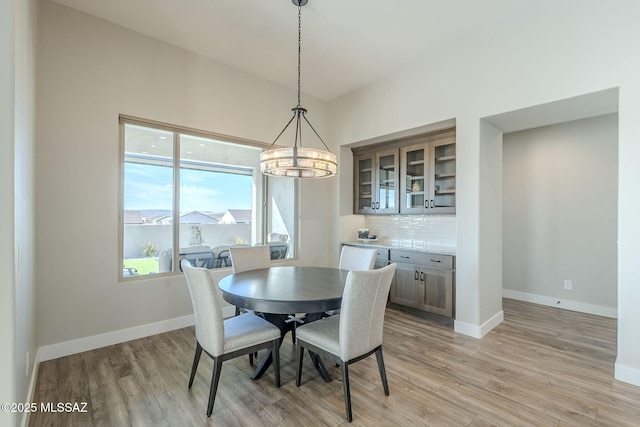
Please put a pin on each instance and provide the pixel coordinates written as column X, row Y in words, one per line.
column 408, row 246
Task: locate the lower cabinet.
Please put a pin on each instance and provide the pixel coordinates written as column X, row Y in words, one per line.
column 382, row 258
column 423, row 281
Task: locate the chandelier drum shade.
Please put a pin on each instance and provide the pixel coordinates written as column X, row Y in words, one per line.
column 298, row 161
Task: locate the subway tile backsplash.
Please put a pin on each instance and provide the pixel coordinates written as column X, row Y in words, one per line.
column 416, row 231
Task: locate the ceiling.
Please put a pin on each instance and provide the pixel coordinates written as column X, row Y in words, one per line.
column 346, row 44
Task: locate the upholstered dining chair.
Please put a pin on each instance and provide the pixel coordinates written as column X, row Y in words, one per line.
column 245, row 258
column 356, row 258
column 356, row 332
column 224, row 339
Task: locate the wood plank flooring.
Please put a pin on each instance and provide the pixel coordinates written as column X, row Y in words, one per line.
column 541, row 367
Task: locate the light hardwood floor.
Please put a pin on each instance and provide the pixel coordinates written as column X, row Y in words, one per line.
column 541, row 366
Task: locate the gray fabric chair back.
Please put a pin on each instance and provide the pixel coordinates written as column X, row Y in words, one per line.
column 246, row 258
column 355, row 258
column 207, row 308
column 362, row 311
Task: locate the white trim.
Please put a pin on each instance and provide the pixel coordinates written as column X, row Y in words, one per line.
column 31, row 390
column 466, row 329
column 475, row 331
column 582, row 307
column 67, row 348
column 627, row 374
column 96, row 341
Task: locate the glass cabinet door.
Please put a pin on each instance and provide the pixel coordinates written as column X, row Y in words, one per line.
column 443, row 178
column 387, row 182
column 364, row 177
column 415, row 187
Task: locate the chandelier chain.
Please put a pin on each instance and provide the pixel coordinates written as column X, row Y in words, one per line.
column 299, row 48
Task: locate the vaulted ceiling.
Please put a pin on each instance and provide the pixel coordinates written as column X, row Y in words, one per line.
column 346, row 44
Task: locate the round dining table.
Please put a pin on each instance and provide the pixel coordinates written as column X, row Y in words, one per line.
column 277, row 292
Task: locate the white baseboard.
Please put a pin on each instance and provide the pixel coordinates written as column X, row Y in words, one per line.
column 598, row 310
column 476, row 331
column 67, row 348
column 31, row 390
column 627, row 374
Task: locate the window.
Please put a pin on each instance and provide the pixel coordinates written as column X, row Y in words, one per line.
column 204, row 192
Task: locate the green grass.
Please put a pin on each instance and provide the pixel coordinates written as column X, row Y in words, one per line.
column 143, row 265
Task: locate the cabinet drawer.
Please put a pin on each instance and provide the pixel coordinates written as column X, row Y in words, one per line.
column 421, row 258
column 381, row 255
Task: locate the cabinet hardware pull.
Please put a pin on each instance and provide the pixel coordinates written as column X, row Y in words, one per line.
column 422, row 276
column 373, row 205
column 432, row 204
column 405, row 257
column 426, row 204
column 415, row 276
column 435, row 260
column 377, row 205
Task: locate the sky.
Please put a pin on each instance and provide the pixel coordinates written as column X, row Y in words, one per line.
column 150, row 187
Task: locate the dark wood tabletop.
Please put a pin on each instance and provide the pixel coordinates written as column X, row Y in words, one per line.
column 286, row 289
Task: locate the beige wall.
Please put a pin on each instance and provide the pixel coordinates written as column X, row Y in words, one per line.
column 89, row 72
column 560, row 212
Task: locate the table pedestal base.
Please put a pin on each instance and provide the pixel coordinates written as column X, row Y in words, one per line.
column 280, row 321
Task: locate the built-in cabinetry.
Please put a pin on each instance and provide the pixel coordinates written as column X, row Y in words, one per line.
column 415, row 175
column 423, row 281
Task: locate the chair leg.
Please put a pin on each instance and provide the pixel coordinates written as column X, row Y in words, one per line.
column 276, row 361
column 194, row 366
column 347, row 392
column 383, row 373
column 251, row 355
column 300, row 358
column 215, row 378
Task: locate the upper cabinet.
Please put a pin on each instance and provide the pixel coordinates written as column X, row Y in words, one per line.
column 376, row 182
column 429, row 172
column 414, row 175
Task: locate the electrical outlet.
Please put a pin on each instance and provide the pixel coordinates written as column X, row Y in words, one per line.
column 568, row 285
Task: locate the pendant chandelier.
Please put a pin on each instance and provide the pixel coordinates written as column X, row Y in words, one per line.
column 298, row 161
